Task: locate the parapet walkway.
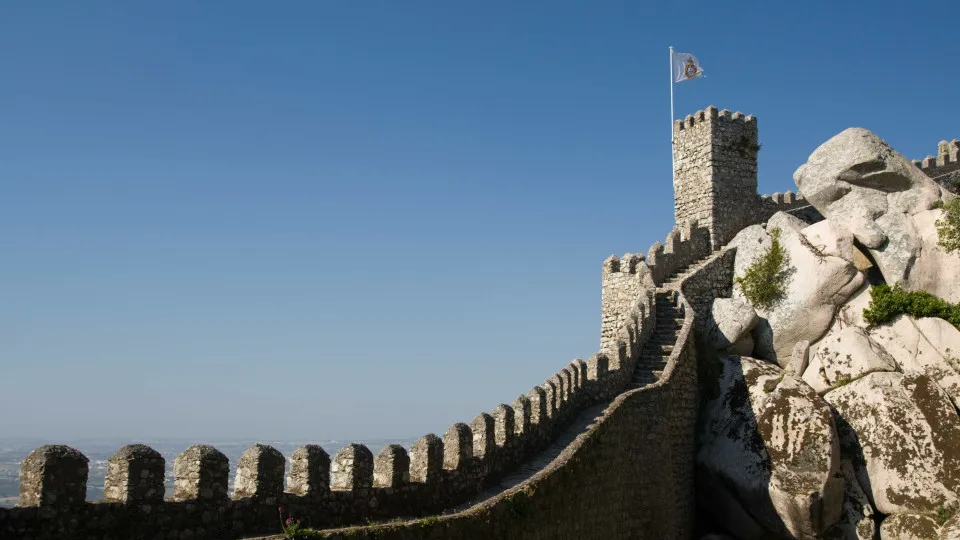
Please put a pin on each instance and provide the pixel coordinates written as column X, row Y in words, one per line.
column 653, row 360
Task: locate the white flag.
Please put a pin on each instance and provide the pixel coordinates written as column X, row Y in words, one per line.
column 685, row 67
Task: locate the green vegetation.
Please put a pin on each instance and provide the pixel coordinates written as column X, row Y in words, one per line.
column 429, row 522
column 842, row 381
column 886, row 303
column 771, row 384
column 948, row 227
column 945, row 512
column 764, row 282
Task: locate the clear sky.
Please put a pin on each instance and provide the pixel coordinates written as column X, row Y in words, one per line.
column 330, row 219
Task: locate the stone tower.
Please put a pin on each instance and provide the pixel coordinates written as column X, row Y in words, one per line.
column 715, row 183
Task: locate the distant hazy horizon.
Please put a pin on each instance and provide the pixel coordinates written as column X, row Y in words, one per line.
column 355, row 220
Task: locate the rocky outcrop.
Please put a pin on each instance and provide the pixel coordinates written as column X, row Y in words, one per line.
column 908, row 527
column 843, row 356
column 733, row 319
column 928, row 346
column 769, row 448
column 799, row 358
column 903, row 437
column 815, row 285
column 867, row 190
column 858, row 520
column 951, row 528
column 829, row 240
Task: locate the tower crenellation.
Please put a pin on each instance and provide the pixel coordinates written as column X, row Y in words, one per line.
column 715, row 178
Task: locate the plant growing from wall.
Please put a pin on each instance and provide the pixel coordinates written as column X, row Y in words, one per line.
column 764, row 282
column 886, row 303
column 948, row 227
column 746, row 147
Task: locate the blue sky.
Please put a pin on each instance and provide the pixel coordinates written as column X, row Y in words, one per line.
column 327, row 220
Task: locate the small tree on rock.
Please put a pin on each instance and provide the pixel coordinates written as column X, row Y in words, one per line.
column 764, row 282
column 948, row 227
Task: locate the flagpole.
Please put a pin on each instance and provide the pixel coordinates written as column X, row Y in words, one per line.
column 673, row 165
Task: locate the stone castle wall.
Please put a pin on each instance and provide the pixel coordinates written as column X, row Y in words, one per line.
column 629, row 476
column 945, row 167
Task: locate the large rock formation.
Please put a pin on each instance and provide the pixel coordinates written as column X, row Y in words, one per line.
column 843, row 356
column 768, row 462
column 927, row 346
column 769, row 452
column 857, row 521
column 733, row 319
column 866, row 189
column 908, row 527
column 816, row 284
column 903, row 437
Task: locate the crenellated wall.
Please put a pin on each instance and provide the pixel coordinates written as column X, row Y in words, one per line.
column 353, row 486
column 945, row 167
column 630, row 475
column 681, row 248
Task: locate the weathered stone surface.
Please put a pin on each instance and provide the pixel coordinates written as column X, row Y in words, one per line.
column 260, row 473
column 844, row 356
column 134, row 473
column 857, row 522
column 934, row 270
column 200, row 472
column 851, row 312
column 814, row 287
column 951, row 528
column 928, row 346
column 309, row 471
column 830, row 240
column 908, row 527
column 866, row 188
column 799, row 358
column 391, row 467
column 903, row 437
column 352, row 469
column 771, row 441
column 53, row 475
column 733, row 319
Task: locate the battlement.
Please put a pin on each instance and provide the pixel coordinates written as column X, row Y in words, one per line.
column 944, row 168
column 680, row 249
column 352, row 486
column 947, row 153
column 715, row 171
column 711, row 114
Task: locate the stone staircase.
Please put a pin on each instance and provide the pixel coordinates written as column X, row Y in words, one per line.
column 656, row 351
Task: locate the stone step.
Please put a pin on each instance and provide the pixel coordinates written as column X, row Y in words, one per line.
column 668, row 326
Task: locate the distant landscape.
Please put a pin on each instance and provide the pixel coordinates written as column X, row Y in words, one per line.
column 13, row 451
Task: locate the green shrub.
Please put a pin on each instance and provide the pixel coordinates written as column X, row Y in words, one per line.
column 764, row 282
column 886, row 303
column 948, row 227
column 945, row 512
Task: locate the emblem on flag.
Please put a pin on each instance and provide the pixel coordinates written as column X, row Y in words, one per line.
column 686, row 67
